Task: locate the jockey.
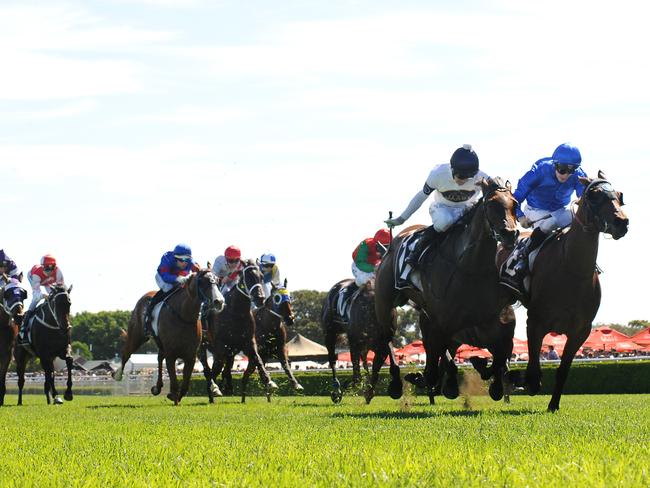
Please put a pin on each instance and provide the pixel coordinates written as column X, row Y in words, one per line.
column 365, row 259
column 270, row 274
column 547, row 189
column 455, row 190
column 227, row 268
column 173, row 271
column 8, row 267
column 41, row 277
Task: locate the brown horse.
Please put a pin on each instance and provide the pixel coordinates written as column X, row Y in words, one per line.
column 179, row 329
column 271, row 323
column 11, row 316
column 50, row 338
column 460, row 287
column 233, row 330
column 564, row 289
column 361, row 331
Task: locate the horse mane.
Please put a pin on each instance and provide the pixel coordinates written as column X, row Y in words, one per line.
column 57, row 287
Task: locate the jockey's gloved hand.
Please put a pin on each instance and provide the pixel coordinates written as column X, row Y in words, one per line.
column 525, row 222
column 394, row 222
column 182, row 279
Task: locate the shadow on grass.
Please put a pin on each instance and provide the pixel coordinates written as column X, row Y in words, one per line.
column 431, row 414
column 116, row 405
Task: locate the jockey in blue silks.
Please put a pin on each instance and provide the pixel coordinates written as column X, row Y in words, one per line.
column 547, row 189
column 8, row 267
column 173, row 271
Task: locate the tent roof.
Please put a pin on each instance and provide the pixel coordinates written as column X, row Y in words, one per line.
column 605, row 338
column 301, row 346
column 642, row 337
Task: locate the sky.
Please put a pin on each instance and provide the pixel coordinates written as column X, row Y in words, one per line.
column 127, row 126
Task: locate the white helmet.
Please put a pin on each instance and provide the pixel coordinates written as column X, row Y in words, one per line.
column 267, row 259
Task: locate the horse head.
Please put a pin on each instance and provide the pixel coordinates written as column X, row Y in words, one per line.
column 500, row 206
column 59, row 303
column 601, row 207
column 280, row 303
column 250, row 282
column 204, row 286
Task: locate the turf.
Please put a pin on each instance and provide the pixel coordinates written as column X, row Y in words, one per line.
column 598, row 440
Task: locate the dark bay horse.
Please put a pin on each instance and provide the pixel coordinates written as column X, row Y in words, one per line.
column 271, row 323
column 460, row 287
column 11, row 316
column 361, row 331
column 179, row 329
column 565, row 289
column 233, row 330
column 50, row 338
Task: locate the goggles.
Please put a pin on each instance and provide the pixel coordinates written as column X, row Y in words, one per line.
column 564, row 169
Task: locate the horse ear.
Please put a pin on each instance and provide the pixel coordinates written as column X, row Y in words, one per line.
column 20, row 277
column 509, row 185
column 601, row 175
column 209, row 265
column 285, row 282
column 257, row 261
column 69, row 289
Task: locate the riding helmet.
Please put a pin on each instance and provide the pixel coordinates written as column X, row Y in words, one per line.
column 464, row 161
column 48, row 260
column 182, row 251
column 567, row 154
column 267, row 259
column 383, row 236
column 232, row 252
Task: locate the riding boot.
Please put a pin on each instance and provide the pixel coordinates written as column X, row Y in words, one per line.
column 514, row 271
column 429, row 234
column 534, row 241
column 147, row 329
column 23, row 333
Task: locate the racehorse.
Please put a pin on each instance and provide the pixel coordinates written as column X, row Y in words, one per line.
column 271, row 331
column 361, row 330
column 179, row 329
column 11, row 316
column 564, row 286
column 50, row 338
column 460, row 288
column 233, row 330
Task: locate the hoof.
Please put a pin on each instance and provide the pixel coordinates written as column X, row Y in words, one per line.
column 432, row 398
column 496, row 391
column 369, row 394
column 172, row 397
column 214, row 389
column 299, row 387
column 58, row 401
column 450, row 390
column 268, row 398
column 155, row 390
column 553, row 408
column 416, row 379
column 336, row 396
column 68, row 396
column 395, row 389
column 271, row 385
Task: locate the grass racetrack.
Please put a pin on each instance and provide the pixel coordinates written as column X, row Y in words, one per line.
column 594, row 440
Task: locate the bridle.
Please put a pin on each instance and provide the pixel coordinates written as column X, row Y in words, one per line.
column 494, row 231
column 598, row 223
column 277, row 299
column 242, row 287
column 207, row 303
column 48, row 303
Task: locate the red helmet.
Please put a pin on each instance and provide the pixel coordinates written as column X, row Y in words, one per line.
column 383, row 236
column 232, row 252
column 48, row 260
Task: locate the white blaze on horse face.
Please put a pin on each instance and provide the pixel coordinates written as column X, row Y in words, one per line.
column 216, row 296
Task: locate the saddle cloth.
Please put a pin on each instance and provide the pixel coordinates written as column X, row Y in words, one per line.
column 405, row 275
column 344, row 302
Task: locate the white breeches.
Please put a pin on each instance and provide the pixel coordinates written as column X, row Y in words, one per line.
column 558, row 219
column 37, row 295
column 267, row 287
column 444, row 216
column 361, row 277
column 162, row 284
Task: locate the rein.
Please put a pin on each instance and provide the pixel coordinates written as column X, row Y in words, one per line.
column 247, row 291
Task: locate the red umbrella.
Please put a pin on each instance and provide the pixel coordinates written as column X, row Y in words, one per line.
column 642, row 338
column 604, row 338
column 415, row 347
column 626, row 346
column 556, row 340
column 465, row 351
column 347, row 356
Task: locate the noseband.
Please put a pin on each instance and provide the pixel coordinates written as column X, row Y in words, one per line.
column 244, row 290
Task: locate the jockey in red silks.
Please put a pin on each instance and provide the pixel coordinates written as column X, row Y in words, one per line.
column 173, row 271
column 227, row 268
column 42, row 278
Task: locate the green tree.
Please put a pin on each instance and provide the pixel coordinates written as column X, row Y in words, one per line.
column 81, row 349
column 408, row 329
column 307, row 305
column 632, row 327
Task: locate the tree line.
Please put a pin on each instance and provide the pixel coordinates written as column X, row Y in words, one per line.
column 98, row 335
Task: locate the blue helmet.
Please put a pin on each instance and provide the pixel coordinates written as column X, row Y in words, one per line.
column 567, row 154
column 267, row 259
column 183, row 250
column 464, row 162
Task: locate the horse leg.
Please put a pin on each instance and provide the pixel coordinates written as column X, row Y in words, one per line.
column 217, row 368
column 381, row 351
column 450, row 386
column 211, row 386
column 188, row 367
column 21, row 360
column 571, row 347
column 4, row 366
column 244, row 378
column 48, row 368
column 330, row 343
column 131, row 344
column 395, row 387
column 286, row 366
column 534, row 370
column 68, row 391
column 355, row 357
column 435, row 350
column 173, row 394
column 157, row 388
